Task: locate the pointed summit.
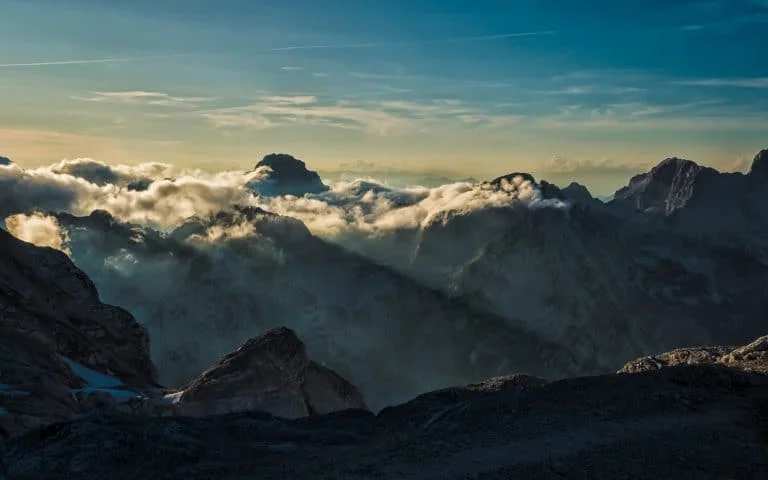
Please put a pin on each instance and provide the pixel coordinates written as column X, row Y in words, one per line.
column 288, row 176
column 5, row 161
column 667, row 188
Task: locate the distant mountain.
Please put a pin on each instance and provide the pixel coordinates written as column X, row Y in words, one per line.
column 678, row 258
column 700, row 201
column 286, row 175
column 213, row 281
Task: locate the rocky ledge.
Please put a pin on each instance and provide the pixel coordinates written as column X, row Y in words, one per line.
column 693, row 413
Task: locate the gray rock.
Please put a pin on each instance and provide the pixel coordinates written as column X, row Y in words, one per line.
column 691, row 421
column 269, row 373
column 50, row 313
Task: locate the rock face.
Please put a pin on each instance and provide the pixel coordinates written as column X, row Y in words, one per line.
column 575, row 192
column 269, row 373
column 289, row 176
column 51, row 320
column 5, row 161
column 752, row 358
column 63, row 354
column 666, row 188
column 692, row 199
column 758, row 172
column 695, row 421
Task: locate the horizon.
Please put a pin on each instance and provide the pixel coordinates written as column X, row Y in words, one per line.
column 593, row 93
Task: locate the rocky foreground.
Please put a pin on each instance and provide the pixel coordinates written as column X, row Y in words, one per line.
column 692, row 413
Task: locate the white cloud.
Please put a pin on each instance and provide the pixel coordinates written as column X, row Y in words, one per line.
column 754, row 82
column 38, row 229
column 140, row 97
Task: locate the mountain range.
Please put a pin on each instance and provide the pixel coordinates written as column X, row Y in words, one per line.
column 430, row 289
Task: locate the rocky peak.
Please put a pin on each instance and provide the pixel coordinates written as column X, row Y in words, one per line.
column 5, row 161
column 271, row 373
column 759, row 169
column 290, row 176
column 272, row 225
column 576, row 192
column 666, row 188
column 548, row 190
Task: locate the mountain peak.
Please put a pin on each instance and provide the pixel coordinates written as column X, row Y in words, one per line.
column 548, row 190
column 290, row 175
column 273, row 373
column 577, row 192
column 666, row 188
column 759, row 169
column 5, row 161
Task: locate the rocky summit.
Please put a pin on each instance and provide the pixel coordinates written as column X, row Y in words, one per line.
column 288, row 175
column 269, row 373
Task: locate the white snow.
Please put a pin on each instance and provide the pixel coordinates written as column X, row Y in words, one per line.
column 99, row 382
column 173, row 397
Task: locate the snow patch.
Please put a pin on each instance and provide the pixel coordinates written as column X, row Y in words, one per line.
column 173, row 397
column 99, row 382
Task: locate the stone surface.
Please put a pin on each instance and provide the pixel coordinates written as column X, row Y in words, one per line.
column 752, row 357
column 269, row 373
column 689, row 421
column 50, row 313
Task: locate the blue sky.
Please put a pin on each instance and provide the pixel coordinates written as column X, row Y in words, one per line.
column 590, row 90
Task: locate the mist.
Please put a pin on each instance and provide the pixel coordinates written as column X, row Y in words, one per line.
column 401, row 289
column 207, row 260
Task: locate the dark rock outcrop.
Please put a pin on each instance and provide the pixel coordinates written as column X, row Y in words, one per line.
column 695, row 420
column 269, row 373
column 287, row 176
column 758, row 171
column 575, row 192
column 50, row 314
column 5, row 161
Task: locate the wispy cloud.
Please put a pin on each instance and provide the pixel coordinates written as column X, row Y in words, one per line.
column 87, row 62
column 160, row 99
column 480, row 38
column 291, row 100
column 383, row 117
column 756, row 82
column 558, row 165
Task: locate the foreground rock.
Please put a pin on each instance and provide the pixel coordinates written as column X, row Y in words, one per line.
column 269, row 373
column 61, row 349
column 689, row 421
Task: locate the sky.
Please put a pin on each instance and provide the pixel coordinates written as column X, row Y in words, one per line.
column 592, row 91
